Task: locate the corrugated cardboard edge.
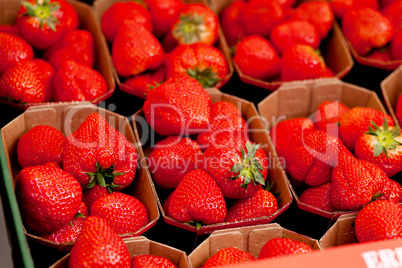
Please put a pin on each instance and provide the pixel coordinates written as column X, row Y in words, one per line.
column 250, row 239
column 258, row 135
column 302, row 100
column 391, row 88
column 342, row 232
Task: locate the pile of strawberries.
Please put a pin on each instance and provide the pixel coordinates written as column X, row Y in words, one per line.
column 46, row 57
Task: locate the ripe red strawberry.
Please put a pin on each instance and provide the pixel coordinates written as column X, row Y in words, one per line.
column 13, row 49
column 69, row 232
column 262, row 204
column 286, row 4
column 285, row 132
column 382, row 146
column 76, row 45
column 195, row 23
column 231, row 22
column 201, row 61
column 282, row 246
column 89, row 196
column 98, row 153
column 392, row 191
column 74, row 81
column 366, row 28
column 135, row 50
column 301, row 62
column 124, row 213
column 393, row 12
column 119, row 12
column 357, row 121
column 256, row 57
column 328, row 116
column 163, row 13
column 318, row 13
column 191, row 201
column 396, row 46
column 225, row 108
column 99, row 246
column 179, row 106
column 171, row 159
column 29, row 81
column 151, row 261
column 238, row 166
column 227, row 256
column 40, row 145
column 10, row 29
column 379, row 220
column 140, row 84
column 259, row 16
column 341, row 6
column 44, row 206
column 318, row 197
column 43, row 23
column 294, row 31
column 380, row 54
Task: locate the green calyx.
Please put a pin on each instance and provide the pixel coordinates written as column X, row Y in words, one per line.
column 43, row 10
column 206, row 77
column 189, row 28
column 386, row 138
column 196, row 224
column 104, row 177
column 250, row 169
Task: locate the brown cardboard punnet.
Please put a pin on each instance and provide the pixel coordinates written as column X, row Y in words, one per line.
column 88, row 22
column 342, row 232
column 302, row 100
column 257, row 133
column 67, row 118
column 391, row 88
column 141, row 246
column 100, row 6
column 250, row 239
column 334, row 49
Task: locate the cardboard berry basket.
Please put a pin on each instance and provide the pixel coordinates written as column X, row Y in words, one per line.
column 100, row 6
column 257, row 134
column 391, row 88
column 333, row 48
column 88, row 22
column 67, row 118
column 250, row 239
column 140, row 246
column 342, row 232
column 294, row 100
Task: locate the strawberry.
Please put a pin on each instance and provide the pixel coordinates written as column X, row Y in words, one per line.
column 382, row 146
column 286, row 4
column 256, row 57
column 43, row 23
column 379, row 220
column 83, row 209
column 76, row 45
column 366, row 28
column 396, row 45
column 380, row 54
column 124, row 213
column 10, row 29
column 318, row 197
column 238, row 166
column 328, row 116
column 225, row 108
column 151, row 261
column 74, row 81
column 48, row 197
column 393, row 12
column 341, row 6
column 282, row 246
column 357, row 121
column 13, row 49
column 191, row 201
column 135, row 49
column 294, row 31
column 262, row 204
column 140, row 84
column 163, row 13
column 69, row 232
column 227, row 256
column 392, row 191
column 231, row 22
column 301, row 62
column 121, row 11
column 98, row 153
column 28, row 81
column 171, row 159
column 195, row 23
column 285, row 132
column 40, row 145
column 99, row 245
column 318, row 13
column 89, row 196
column 259, row 16
column 180, row 105
column 201, row 61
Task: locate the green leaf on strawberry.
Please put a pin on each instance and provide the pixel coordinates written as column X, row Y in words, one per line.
column 43, row 12
column 386, row 137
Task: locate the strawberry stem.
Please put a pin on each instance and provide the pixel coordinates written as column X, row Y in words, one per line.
column 189, row 28
column 43, row 10
column 385, row 136
column 206, row 77
column 104, row 177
